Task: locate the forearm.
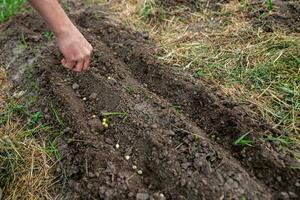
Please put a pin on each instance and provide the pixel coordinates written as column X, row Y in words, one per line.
column 53, row 14
column 72, row 44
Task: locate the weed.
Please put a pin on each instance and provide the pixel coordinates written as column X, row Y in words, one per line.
column 48, row 35
column 9, row 8
column 23, row 41
column 243, row 141
column 177, row 108
column 108, row 114
column 270, row 5
column 282, row 139
column 130, row 90
column 12, row 108
column 52, row 151
column 57, row 117
column 35, row 117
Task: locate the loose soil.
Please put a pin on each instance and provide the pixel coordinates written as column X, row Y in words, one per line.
column 285, row 15
column 175, row 137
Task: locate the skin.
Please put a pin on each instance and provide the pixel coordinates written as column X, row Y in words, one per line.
column 72, row 44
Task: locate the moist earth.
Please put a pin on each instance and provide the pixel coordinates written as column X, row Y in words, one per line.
column 169, row 135
column 285, row 15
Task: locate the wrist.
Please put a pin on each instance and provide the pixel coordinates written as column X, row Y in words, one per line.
column 63, row 29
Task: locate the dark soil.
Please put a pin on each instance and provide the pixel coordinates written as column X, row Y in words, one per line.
column 178, row 131
column 284, row 15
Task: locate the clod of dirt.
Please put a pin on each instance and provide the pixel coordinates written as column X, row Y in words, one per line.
column 142, row 196
column 285, row 15
column 75, row 86
column 93, row 96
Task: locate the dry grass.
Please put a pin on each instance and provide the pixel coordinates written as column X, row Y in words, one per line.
column 258, row 68
column 24, row 164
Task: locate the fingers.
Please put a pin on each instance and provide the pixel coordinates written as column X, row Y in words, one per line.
column 86, row 64
column 68, row 63
column 79, row 66
column 78, row 63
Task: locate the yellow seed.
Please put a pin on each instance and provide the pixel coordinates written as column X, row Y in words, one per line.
column 127, row 157
column 104, row 120
column 94, row 116
column 109, row 78
column 105, row 125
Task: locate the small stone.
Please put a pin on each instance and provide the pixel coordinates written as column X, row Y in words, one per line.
column 162, row 196
column 117, row 146
column 284, row 196
column 130, row 194
column 75, row 86
column 293, row 195
column 142, row 196
column 140, row 172
column 93, row 95
column 67, row 130
column 134, row 167
column 127, row 157
column 94, row 116
column 84, row 98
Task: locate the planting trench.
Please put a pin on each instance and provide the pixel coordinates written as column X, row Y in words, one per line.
column 161, row 123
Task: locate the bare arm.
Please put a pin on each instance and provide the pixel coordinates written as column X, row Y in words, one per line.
column 75, row 48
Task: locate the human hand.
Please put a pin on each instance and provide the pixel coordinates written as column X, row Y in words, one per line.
column 75, row 49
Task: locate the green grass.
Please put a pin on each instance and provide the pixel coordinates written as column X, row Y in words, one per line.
column 9, row 8
column 270, row 5
column 282, row 139
column 108, row 114
column 243, row 141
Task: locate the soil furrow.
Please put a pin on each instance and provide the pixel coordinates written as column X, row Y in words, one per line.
column 158, row 141
column 174, row 162
column 217, row 116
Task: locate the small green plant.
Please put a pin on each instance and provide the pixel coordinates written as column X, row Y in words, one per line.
column 35, row 117
column 56, row 116
column 52, row 151
column 23, row 41
column 283, row 139
column 13, row 107
column 130, row 90
column 243, row 141
column 108, row 114
column 146, row 9
column 199, row 73
column 48, row 35
column 177, row 108
column 243, row 198
column 270, row 5
column 9, row 7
